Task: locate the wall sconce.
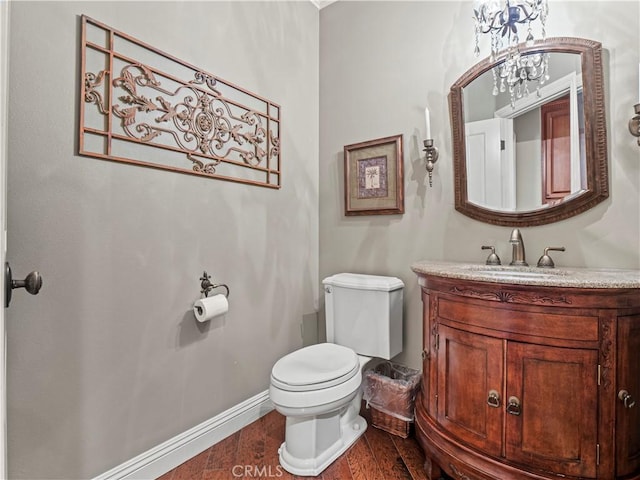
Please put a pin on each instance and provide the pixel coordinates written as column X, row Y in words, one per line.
column 431, row 157
column 634, row 123
column 431, row 152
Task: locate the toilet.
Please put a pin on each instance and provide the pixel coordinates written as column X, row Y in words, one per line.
column 318, row 388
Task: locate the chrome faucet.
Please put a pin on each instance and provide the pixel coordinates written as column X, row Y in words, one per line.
column 518, row 256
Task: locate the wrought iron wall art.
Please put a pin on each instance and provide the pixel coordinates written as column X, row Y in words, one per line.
column 135, row 96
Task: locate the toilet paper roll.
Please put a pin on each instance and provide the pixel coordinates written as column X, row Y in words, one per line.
column 207, row 308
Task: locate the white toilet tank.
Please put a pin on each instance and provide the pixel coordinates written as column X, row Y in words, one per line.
column 364, row 313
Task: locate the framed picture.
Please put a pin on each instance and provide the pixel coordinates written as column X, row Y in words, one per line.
column 373, row 177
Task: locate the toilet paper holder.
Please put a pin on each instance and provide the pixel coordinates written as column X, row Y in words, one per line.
column 207, row 286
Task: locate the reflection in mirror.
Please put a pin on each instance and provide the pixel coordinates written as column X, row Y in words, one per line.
column 528, row 159
column 527, row 175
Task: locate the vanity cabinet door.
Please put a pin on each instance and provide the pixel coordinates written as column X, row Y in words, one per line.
column 470, row 369
column 628, row 417
column 551, row 405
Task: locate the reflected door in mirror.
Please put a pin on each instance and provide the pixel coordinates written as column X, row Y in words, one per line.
column 556, row 150
column 491, row 164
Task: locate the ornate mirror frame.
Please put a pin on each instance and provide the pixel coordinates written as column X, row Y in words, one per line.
column 595, row 138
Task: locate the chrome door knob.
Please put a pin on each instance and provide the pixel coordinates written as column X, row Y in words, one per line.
column 32, row 283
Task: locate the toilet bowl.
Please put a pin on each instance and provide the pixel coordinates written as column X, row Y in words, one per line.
column 318, row 389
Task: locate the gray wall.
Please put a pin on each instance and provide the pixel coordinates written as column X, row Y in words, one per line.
column 381, row 63
column 108, row 361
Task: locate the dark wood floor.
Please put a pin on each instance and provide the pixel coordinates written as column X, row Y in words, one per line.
column 253, row 453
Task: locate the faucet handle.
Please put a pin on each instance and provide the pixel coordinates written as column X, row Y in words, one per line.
column 492, row 259
column 545, row 260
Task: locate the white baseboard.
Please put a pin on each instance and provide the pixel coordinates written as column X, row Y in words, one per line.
column 168, row 455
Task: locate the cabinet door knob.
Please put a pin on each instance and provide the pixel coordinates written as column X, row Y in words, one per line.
column 627, row 399
column 513, row 407
column 493, row 400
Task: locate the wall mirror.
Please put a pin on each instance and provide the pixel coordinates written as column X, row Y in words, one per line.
column 536, row 158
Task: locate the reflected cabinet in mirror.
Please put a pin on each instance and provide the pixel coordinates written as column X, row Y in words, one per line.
column 530, row 152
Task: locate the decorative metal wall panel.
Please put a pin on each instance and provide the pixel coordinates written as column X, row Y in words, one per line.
column 133, row 97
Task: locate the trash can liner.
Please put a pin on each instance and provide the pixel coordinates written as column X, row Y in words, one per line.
column 391, row 388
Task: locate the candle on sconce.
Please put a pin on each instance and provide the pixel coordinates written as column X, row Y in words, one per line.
column 427, row 122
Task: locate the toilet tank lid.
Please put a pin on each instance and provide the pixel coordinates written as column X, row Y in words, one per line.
column 364, row 282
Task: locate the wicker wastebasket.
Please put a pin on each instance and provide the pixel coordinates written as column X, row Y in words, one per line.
column 390, row 390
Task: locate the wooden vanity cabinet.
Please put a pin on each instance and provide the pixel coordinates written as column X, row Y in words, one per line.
column 522, row 382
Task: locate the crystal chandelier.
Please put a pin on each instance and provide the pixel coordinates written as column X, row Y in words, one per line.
column 501, row 19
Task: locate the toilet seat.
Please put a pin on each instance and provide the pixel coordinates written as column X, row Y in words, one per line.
column 316, row 367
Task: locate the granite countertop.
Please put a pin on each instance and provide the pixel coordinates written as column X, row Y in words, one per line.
column 550, row 277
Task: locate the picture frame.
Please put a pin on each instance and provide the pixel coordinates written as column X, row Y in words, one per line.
column 374, row 177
